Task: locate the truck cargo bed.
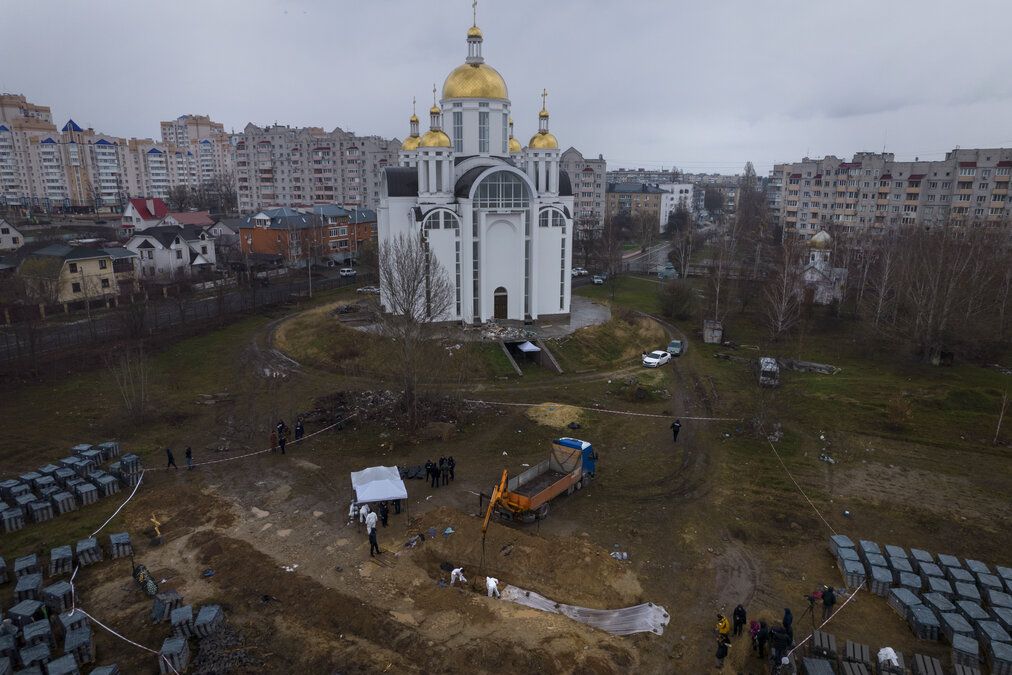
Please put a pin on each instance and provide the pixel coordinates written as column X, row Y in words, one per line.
column 536, row 485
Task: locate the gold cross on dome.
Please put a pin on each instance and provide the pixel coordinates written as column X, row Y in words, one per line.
column 544, row 97
column 433, row 94
column 474, row 12
column 413, row 105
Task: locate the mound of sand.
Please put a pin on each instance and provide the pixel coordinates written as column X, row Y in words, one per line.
column 557, row 415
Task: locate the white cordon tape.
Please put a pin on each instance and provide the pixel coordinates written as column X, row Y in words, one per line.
column 260, row 452
column 129, row 641
column 787, row 471
column 603, row 410
column 833, row 616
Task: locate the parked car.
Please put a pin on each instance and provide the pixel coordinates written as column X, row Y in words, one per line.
column 369, row 289
column 656, row 359
column 677, row 347
column 598, row 280
column 580, row 272
column 348, row 272
column 769, row 372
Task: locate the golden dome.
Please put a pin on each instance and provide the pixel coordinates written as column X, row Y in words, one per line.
column 543, row 114
column 434, row 110
column 474, row 32
column 434, row 139
column 477, row 80
column 410, row 143
column 820, row 240
column 514, row 145
column 413, row 118
column 543, row 140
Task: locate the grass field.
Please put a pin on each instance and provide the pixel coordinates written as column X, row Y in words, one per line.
column 626, row 291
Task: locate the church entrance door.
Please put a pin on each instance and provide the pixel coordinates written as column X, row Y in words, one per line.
column 500, row 306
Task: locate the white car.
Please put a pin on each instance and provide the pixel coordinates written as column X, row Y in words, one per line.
column 373, row 290
column 348, row 272
column 655, row 359
column 598, row 280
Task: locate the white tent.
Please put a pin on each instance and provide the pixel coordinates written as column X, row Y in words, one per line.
column 527, row 347
column 377, row 484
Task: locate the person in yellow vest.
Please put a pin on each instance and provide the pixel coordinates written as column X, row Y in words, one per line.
column 723, row 626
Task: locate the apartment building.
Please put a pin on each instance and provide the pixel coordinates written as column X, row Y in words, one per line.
column 589, row 180
column 61, row 273
column 677, row 195
column 78, row 169
column 874, row 192
column 635, row 199
column 641, row 175
column 282, row 166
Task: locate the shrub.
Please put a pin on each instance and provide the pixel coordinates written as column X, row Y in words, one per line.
column 677, row 300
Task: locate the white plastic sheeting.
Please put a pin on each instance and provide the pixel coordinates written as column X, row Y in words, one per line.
column 377, row 484
column 646, row 618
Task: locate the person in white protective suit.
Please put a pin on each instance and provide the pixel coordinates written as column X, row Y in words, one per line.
column 363, row 511
column 492, row 585
column 457, row 575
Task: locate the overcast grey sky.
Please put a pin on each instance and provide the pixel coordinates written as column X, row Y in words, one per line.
column 701, row 85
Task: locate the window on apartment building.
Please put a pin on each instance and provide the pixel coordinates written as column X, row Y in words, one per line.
column 458, row 131
column 105, row 283
column 997, row 198
column 978, row 212
column 75, row 287
column 995, row 211
column 103, row 264
column 964, row 198
column 985, row 173
column 16, row 240
column 944, row 198
column 967, row 171
column 5, row 230
column 73, row 268
column 1001, row 171
column 931, row 198
column 947, row 185
column 179, row 255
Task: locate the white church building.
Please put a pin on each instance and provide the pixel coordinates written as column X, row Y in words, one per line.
column 497, row 217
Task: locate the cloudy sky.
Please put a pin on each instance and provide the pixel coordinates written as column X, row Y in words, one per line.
column 701, row 85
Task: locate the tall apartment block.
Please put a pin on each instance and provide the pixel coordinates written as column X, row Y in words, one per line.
column 589, row 180
column 77, row 169
column 299, row 167
column 873, row 191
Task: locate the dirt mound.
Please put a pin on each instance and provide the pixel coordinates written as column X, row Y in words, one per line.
column 571, row 570
column 555, row 415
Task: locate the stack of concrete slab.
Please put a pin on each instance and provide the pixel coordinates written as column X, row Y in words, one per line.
column 59, row 597
column 924, row 623
column 182, row 621
column 61, row 561
column 29, row 587
column 963, row 590
column 855, row 652
column 938, row 602
column 972, row 611
column 990, row 631
column 1003, row 615
column 1006, row 576
column 881, row 580
column 848, row 668
column 13, row 519
column 836, row 542
column 25, row 612
column 989, row 582
column 64, row 502
column 901, row 600
column 27, row 564
column 40, row 511
column 120, row 546
column 998, row 599
column 954, row 624
column 999, row 655
column 107, row 484
column 926, row 665
column 106, row 670
column 109, row 450
column 87, row 493
column 36, row 655
column 65, row 665
column 81, row 644
column 175, row 652
column 965, row 650
column 887, row 668
column 209, row 620
column 63, row 475
column 88, row 552
column 814, row 666
column 69, row 621
column 864, row 547
column 940, row 586
column 37, row 632
column 164, row 603
column 130, row 469
column 822, row 645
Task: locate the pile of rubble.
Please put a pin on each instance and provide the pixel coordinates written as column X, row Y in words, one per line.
column 493, row 331
column 224, row 652
column 381, row 406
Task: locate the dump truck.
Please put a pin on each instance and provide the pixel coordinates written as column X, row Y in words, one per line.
column 525, row 497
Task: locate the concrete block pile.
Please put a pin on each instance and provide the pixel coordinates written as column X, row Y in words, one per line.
column 88, row 552
column 61, row 561
column 65, row 665
column 120, row 546
column 176, row 651
column 209, row 619
column 81, row 644
column 58, row 597
column 29, row 587
column 181, row 619
column 966, row 603
column 61, row 487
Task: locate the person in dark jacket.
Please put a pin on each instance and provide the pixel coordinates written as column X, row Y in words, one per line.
column 384, row 513
column 676, row 426
column 397, row 506
column 780, row 642
column 722, row 644
column 189, row 458
column 452, row 464
column 433, row 474
column 282, row 439
column 761, row 638
column 300, row 430
column 171, row 458
column 828, row 600
column 789, row 623
column 444, row 471
column 740, row 619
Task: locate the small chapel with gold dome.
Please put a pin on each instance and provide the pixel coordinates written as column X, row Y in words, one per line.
column 497, row 216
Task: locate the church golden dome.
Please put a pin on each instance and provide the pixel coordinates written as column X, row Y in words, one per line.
column 514, row 146
column 820, row 240
column 475, row 80
column 410, row 143
column 434, row 139
column 474, row 32
column 413, row 118
column 544, row 140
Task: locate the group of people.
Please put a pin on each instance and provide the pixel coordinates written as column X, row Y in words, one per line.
column 172, row 458
column 777, row 638
column 491, row 583
column 441, row 472
column 370, row 517
column 279, row 436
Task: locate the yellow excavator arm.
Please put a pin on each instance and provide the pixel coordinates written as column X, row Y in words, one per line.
column 497, row 493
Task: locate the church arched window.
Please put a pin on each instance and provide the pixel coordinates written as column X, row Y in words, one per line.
column 441, row 219
column 551, row 218
column 502, row 190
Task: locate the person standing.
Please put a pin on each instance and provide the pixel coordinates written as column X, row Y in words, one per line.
column 373, row 544
column 300, row 430
column 780, row 641
column 828, row 600
column 433, row 475
column 722, row 644
column 761, row 638
column 492, row 586
column 457, row 575
column 384, row 513
column 740, row 619
column 676, row 426
column 444, row 471
column 171, row 458
column 789, row 624
column 397, row 506
column 363, row 511
column 452, row 464
column 370, row 522
column 189, row 458
column 723, row 626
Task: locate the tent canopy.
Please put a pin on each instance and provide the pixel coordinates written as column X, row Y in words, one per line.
column 377, row 484
column 528, row 347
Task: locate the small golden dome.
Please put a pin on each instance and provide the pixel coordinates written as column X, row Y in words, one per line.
column 477, row 80
column 474, row 32
column 413, row 118
column 820, row 240
column 434, row 110
column 514, row 145
column 434, row 139
column 543, row 114
column 410, row 143
column 543, row 140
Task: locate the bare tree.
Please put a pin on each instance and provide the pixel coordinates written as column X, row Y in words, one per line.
column 782, row 293
column 129, row 370
column 586, row 240
column 181, row 197
column 416, row 291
